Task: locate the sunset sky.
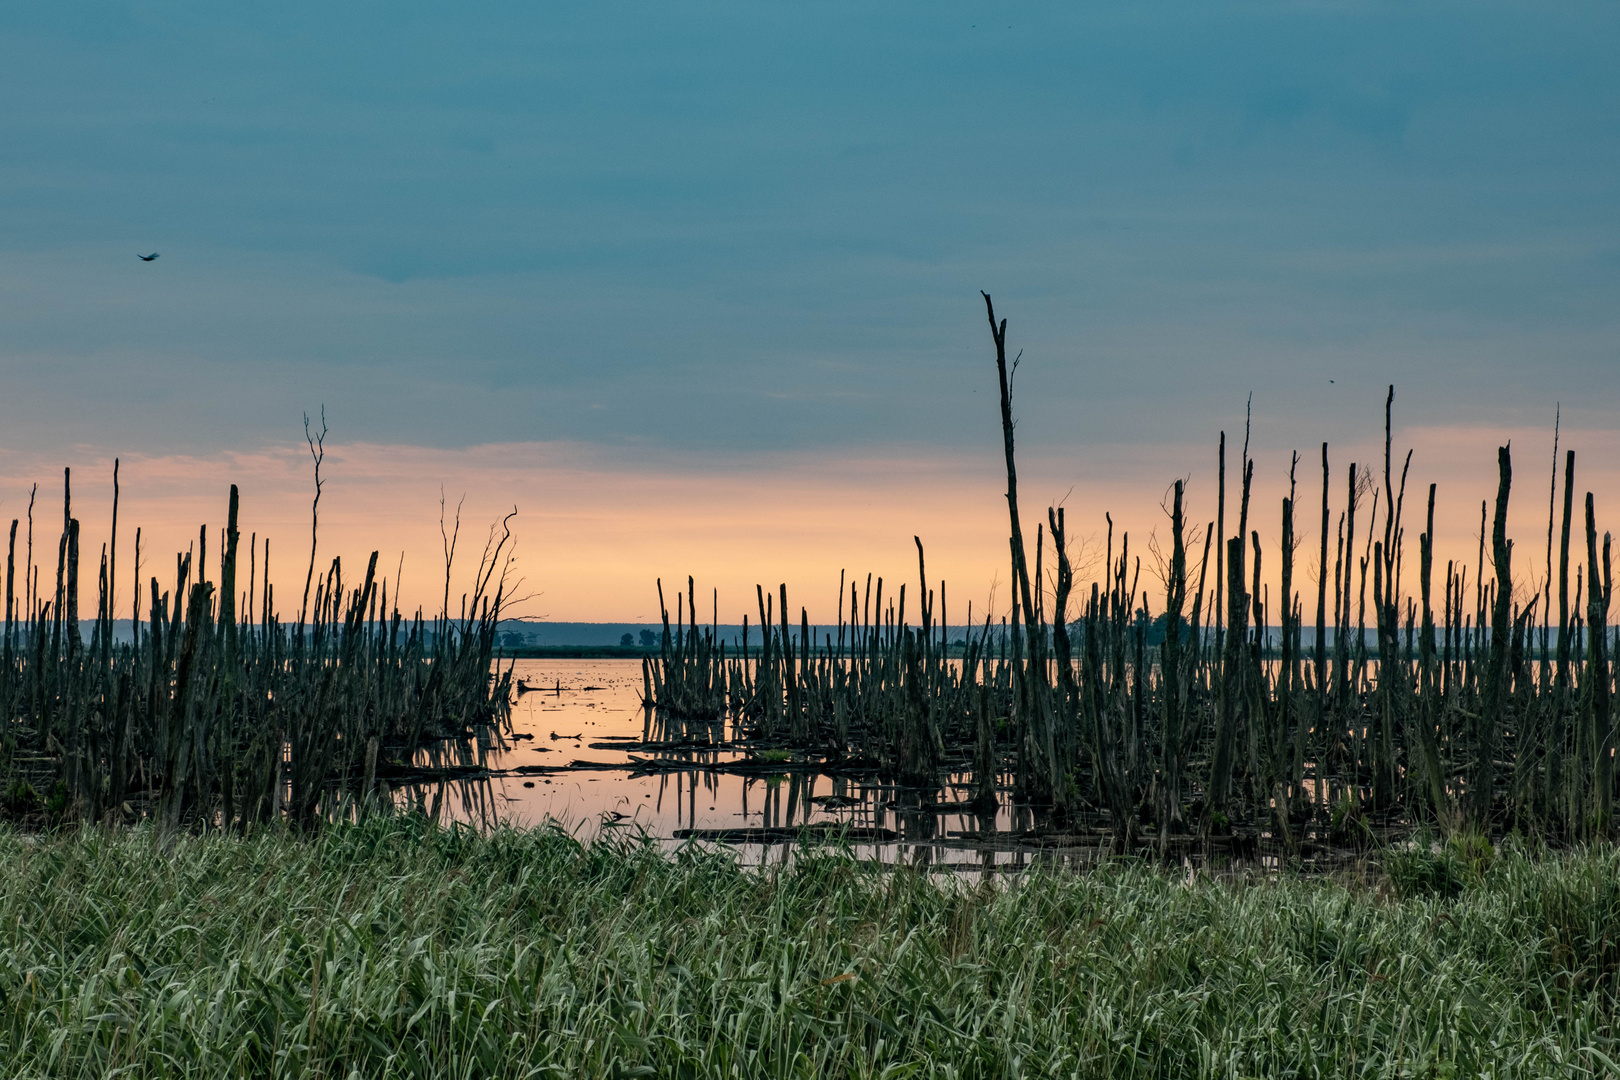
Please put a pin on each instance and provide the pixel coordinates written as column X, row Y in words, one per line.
column 695, row 286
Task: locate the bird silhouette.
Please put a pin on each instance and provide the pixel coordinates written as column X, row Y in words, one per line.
column 147, row 258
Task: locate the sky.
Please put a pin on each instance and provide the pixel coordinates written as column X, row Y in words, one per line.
column 695, row 286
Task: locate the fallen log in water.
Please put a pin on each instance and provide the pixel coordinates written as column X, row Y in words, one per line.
column 778, row 834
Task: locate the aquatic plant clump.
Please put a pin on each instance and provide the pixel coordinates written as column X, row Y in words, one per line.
column 1212, row 712
column 393, row 948
column 213, row 711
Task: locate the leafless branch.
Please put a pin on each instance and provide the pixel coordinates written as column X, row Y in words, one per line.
column 317, row 452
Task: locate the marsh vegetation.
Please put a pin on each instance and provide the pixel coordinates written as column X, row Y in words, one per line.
column 216, row 712
column 395, row 948
column 1402, row 694
column 210, row 870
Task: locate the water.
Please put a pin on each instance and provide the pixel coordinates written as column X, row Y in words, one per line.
column 576, row 760
column 563, row 766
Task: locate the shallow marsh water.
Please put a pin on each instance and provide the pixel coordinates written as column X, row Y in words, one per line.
column 576, row 710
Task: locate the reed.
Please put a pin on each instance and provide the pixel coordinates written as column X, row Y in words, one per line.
column 1205, row 723
column 392, row 948
column 214, row 712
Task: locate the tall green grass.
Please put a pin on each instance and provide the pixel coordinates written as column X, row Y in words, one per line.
column 393, row 948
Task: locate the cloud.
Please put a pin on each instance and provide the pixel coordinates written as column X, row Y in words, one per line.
column 734, row 253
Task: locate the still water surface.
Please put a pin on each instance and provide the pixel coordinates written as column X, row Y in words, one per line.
column 576, row 710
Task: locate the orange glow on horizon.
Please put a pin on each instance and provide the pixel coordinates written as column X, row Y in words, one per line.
column 595, row 529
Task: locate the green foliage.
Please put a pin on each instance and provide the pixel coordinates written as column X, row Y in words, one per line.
column 396, row 949
column 56, row 800
column 21, row 797
column 1424, row 867
column 1348, row 824
column 1426, row 870
column 1474, row 849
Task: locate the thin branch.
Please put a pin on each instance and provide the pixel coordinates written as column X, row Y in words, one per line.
column 317, row 452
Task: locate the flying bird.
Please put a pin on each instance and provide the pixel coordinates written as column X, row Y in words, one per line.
column 147, row 258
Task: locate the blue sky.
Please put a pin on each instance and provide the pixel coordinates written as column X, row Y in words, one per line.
column 706, row 225
column 705, row 231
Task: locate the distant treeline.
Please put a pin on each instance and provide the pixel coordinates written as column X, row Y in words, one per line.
column 520, row 636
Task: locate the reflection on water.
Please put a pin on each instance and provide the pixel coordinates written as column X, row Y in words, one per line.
column 576, row 758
